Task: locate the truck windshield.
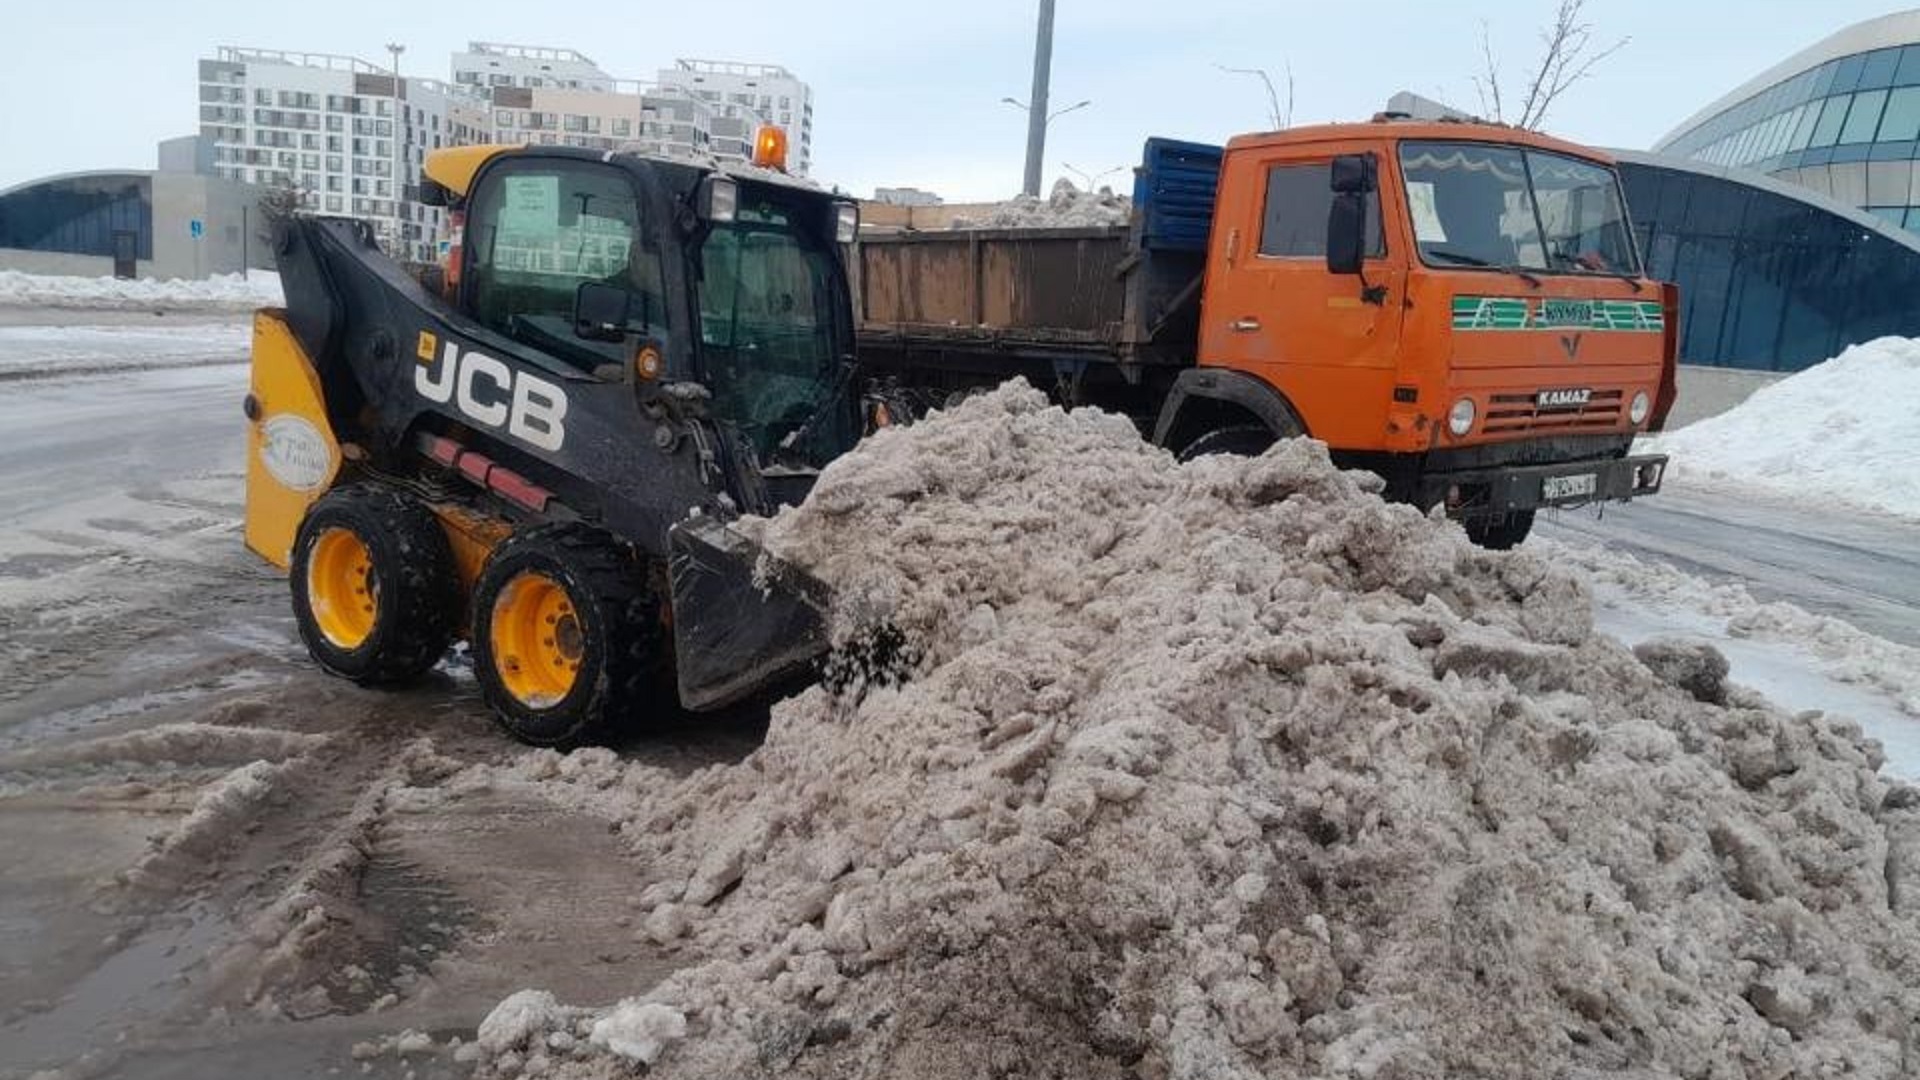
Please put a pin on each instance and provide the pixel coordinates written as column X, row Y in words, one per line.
column 767, row 328
column 1475, row 204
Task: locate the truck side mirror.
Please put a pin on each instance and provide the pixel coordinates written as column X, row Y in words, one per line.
column 1346, row 233
column 1353, row 174
column 600, row 312
column 1353, row 178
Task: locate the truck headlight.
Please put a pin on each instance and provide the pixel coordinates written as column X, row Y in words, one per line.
column 1638, row 410
column 1460, row 419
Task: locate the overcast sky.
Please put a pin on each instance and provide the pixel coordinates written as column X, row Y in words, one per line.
column 909, row 94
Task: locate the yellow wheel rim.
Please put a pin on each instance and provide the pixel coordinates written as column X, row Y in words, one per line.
column 537, row 640
column 342, row 588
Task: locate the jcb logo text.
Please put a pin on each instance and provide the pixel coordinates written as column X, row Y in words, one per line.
column 493, row 395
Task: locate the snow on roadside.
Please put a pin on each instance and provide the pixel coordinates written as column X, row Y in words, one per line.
column 1230, row 770
column 1846, row 430
column 31, row 351
column 221, row 813
column 194, row 743
column 222, row 292
column 1793, row 656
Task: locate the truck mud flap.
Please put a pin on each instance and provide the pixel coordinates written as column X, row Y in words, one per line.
column 742, row 621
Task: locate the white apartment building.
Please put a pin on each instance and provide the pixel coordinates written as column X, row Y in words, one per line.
column 350, row 135
column 343, row 132
column 486, row 65
column 744, row 92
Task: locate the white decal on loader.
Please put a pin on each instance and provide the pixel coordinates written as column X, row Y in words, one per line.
column 491, row 394
column 295, row 453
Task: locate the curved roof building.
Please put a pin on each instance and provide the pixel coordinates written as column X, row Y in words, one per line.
column 176, row 221
column 1772, row 277
column 1841, row 117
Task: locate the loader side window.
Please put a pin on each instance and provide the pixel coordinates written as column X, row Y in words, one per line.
column 537, row 231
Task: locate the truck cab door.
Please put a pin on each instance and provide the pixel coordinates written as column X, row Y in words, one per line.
column 1272, row 309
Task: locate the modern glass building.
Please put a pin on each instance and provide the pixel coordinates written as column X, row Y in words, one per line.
column 1841, row 118
column 100, row 214
column 1772, row 277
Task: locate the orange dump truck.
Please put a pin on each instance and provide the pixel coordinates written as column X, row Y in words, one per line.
column 1460, row 308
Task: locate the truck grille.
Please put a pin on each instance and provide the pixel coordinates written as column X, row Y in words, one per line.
column 1508, row 413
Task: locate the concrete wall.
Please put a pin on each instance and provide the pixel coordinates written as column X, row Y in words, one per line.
column 230, row 226
column 1710, row 391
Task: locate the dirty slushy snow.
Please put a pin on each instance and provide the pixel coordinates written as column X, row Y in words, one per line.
column 1231, row 769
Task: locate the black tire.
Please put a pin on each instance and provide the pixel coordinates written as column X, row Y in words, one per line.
column 1500, row 532
column 408, row 585
column 617, row 643
column 1240, row 440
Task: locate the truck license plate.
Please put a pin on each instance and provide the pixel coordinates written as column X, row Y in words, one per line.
column 1567, row 487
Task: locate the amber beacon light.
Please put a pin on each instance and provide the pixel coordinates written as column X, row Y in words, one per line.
column 770, row 148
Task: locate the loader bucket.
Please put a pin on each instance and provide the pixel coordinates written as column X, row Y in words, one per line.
column 742, row 621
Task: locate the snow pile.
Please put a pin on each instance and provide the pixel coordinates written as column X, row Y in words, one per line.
column 222, row 292
column 1066, row 207
column 1231, row 769
column 1847, row 429
column 1797, row 658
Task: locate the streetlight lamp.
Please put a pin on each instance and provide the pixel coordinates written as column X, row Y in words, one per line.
column 1091, row 179
column 1052, row 116
column 1037, row 137
column 398, row 161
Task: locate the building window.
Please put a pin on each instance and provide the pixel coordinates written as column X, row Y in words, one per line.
column 1902, row 119
column 1828, row 129
column 622, row 127
column 1864, row 118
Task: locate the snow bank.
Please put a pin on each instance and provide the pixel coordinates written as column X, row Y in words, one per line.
column 1230, row 770
column 1065, row 207
column 29, row 351
column 223, row 292
column 1846, row 430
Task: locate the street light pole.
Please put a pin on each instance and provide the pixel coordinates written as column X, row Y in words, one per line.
column 398, row 157
column 1037, row 103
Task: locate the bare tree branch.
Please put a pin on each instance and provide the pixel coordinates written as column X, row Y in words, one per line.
column 1569, row 53
column 1487, row 83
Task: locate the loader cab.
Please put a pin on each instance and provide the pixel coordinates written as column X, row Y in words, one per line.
column 662, row 274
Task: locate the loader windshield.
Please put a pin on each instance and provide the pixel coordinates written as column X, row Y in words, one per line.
column 768, row 328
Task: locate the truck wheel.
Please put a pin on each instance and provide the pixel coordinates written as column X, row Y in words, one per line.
column 1500, row 532
column 1241, row 440
column 568, row 638
column 374, row 591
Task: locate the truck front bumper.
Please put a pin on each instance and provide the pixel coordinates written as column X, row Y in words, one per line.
column 1530, row 487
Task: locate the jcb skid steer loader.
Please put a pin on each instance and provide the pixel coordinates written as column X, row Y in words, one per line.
column 542, row 457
